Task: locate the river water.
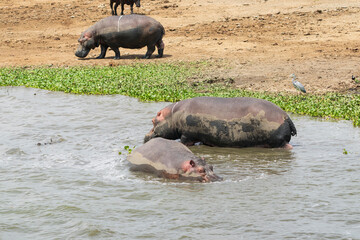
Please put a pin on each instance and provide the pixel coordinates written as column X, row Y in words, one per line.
column 62, row 177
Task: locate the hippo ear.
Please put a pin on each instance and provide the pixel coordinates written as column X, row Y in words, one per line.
column 187, row 165
column 85, row 37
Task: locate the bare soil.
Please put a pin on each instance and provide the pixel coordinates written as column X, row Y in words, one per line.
column 252, row 44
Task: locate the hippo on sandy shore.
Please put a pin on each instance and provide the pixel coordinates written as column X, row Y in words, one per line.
column 126, row 31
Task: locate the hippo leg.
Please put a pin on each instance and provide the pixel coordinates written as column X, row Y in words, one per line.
column 160, row 46
column 122, row 8
column 150, row 50
column 103, row 51
column 117, row 52
column 186, row 141
column 132, row 8
column 111, row 7
column 115, row 8
column 288, row 146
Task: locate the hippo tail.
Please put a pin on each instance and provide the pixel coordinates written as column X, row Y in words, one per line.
column 162, row 31
column 291, row 126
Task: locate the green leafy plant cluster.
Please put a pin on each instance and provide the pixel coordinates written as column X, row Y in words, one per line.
column 170, row 82
column 128, row 149
column 149, row 82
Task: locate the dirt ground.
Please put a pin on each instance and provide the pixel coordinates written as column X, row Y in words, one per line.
column 255, row 44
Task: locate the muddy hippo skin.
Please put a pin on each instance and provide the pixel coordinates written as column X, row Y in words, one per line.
column 170, row 159
column 224, row 122
column 128, row 31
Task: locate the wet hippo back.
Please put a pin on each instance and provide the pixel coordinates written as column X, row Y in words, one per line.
column 224, row 122
column 170, row 159
column 162, row 151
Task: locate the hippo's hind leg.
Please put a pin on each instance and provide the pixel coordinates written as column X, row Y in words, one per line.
column 103, row 51
column 150, row 50
column 282, row 136
column 122, row 8
column 117, row 52
column 160, row 46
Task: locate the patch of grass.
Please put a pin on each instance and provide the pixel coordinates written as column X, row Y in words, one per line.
column 169, row 82
column 148, row 82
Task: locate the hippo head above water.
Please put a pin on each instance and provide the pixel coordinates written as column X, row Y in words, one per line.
column 199, row 170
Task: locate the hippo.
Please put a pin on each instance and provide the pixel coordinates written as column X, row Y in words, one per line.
column 224, row 122
column 127, row 31
column 122, row 3
column 171, row 159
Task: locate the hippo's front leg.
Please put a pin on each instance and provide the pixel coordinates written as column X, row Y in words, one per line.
column 186, row 141
column 112, row 10
column 103, row 51
column 115, row 8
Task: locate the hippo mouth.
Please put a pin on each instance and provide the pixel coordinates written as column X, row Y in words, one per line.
column 82, row 53
column 208, row 176
column 203, row 179
column 211, row 178
column 149, row 135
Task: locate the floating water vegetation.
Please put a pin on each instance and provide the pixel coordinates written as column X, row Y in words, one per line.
column 170, row 82
column 128, row 149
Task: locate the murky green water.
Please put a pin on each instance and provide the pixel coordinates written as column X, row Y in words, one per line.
column 62, row 177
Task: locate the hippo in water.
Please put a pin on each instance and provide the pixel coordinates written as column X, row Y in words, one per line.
column 170, row 159
column 127, row 31
column 224, row 122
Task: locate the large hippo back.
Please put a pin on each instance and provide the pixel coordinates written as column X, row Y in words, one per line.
column 232, row 108
column 129, row 31
column 233, row 122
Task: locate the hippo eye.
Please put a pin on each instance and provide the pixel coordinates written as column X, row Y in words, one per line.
column 192, row 163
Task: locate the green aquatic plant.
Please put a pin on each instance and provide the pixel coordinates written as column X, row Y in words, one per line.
column 172, row 82
column 148, row 82
column 128, row 149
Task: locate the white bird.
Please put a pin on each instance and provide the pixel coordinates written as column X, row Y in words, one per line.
column 297, row 84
